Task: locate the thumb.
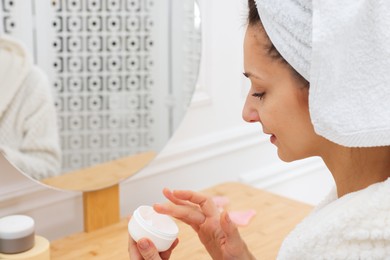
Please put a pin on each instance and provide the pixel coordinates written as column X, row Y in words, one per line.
column 233, row 238
column 147, row 250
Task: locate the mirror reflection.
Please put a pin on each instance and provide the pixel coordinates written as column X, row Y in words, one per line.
column 117, row 77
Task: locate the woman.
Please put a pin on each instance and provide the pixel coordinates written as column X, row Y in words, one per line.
column 350, row 223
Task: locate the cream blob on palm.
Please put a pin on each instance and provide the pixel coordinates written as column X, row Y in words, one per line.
column 159, row 228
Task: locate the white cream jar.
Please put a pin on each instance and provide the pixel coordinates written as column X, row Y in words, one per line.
column 159, row 228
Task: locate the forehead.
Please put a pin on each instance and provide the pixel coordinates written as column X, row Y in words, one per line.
column 259, row 59
column 256, row 39
column 256, row 57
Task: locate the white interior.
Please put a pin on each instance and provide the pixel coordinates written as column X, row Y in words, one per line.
column 161, row 224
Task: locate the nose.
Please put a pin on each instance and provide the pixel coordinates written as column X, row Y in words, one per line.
column 249, row 113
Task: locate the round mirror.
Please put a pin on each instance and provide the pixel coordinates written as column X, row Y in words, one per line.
column 121, row 76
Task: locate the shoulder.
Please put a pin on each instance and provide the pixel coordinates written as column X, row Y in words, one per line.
column 17, row 68
column 15, row 48
column 15, row 65
column 20, row 60
column 343, row 227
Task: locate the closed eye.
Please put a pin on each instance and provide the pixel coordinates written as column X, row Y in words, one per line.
column 259, row 95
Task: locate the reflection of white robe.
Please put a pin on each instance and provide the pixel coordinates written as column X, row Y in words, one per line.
column 28, row 124
column 355, row 226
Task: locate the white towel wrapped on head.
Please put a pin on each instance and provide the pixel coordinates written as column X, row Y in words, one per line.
column 343, row 50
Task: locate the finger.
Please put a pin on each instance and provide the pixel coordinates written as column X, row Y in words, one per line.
column 181, row 202
column 168, row 194
column 233, row 238
column 189, row 215
column 205, row 203
column 167, row 254
column 133, row 250
column 147, row 250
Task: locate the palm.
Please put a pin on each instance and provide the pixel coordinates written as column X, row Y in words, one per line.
column 219, row 247
column 212, row 237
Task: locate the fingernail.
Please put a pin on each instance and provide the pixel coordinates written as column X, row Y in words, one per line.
column 159, row 206
column 143, row 244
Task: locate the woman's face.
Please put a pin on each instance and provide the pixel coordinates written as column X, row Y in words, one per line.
column 278, row 100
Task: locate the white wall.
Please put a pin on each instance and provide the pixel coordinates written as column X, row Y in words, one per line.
column 212, row 145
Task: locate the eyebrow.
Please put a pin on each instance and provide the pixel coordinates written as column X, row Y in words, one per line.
column 251, row 75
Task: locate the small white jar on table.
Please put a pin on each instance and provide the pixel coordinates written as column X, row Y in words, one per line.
column 18, row 239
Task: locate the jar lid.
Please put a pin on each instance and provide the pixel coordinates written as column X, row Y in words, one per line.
column 16, row 226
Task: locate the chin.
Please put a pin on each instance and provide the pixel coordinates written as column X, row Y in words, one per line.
column 286, row 157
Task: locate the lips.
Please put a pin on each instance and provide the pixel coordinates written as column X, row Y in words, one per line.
column 272, row 137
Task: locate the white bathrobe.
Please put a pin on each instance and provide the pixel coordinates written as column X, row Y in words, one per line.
column 28, row 127
column 355, row 226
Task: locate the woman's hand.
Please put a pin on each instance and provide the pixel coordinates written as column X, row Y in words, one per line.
column 145, row 250
column 216, row 231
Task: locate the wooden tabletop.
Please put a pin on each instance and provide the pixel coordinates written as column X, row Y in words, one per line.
column 276, row 217
column 102, row 175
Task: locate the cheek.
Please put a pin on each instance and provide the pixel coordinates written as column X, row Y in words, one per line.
column 289, row 120
column 298, row 137
column 296, row 124
column 273, row 115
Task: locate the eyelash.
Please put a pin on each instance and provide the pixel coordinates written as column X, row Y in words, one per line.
column 259, row 95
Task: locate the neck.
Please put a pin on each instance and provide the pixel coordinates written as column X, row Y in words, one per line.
column 354, row 169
